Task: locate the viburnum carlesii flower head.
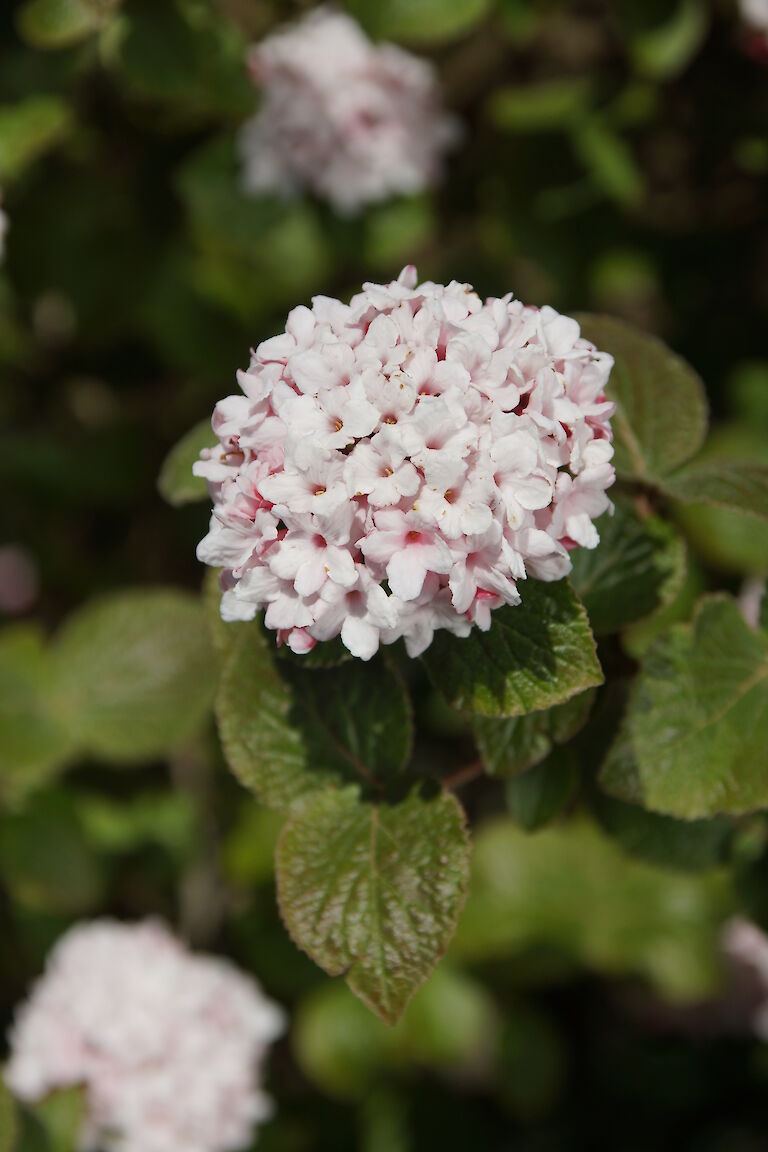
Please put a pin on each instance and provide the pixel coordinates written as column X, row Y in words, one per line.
column 400, row 463
column 351, row 121
column 167, row 1045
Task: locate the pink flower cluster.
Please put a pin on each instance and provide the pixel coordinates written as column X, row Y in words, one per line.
column 166, row 1044
column 351, row 121
column 397, row 464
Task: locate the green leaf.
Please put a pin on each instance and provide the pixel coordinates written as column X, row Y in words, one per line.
column 34, row 745
column 176, row 483
column 62, row 1115
column 637, row 568
column 287, row 732
column 28, row 130
column 419, row 21
column 548, row 105
column 9, row 1126
column 573, row 890
column 608, row 160
column 686, row 845
column 538, row 795
column 134, row 673
column 735, row 541
column 694, row 737
column 738, row 485
column 62, row 23
column 664, row 51
column 346, row 1050
column 374, row 893
column 536, row 654
column 166, row 819
column 511, row 746
column 661, row 409
column 46, row 863
column 249, row 849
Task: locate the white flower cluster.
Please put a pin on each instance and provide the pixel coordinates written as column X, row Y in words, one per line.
column 166, row 1044
column 416, row 438
column 746, row 946
column 349, row 120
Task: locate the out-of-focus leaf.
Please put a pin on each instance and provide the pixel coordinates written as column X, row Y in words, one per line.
column 609, row 160
column 34, row 745
column 249, row 849
column 345, row 1050
column 394, row 232
column 536, row 654
column 419, row 21
column 256, row 252
column 694, row 737
column 288, row 732
column 511, row 746
column 538, row 795
column 373, row 893
column 687, row 845
column 531, row 1064
column 661, row 409
column 62, row 23
column 384, row 1122
column 186, row 56
column 134, row 673
column 545, row 106
column 28, row 129
column 738, row 485
column 165, row 819
column 176, row 483
column 8, row 1120
column 725, row 538
column 46, row 863
column 748, row 393
column 637, row 639
column 637, row 568
column 572, row 889
column 664, row 51
column 62, row 1115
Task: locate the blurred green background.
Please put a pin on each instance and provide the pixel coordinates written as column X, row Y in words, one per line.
column 615, row 159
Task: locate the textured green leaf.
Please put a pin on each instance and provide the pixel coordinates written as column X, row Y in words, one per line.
column 28, row 129
column 538, row 795
column 33, row 744
column 8, row 1120
column 345, row 1050
column 134, row 673
column 374, row 893
column 661, row 409
column 694, row 737
column 287, row 732
column 549, row 104
column 62, row 23
column 419, row 20
column 511, row 746
column 176, row 483
column 536, row 654
column 738, row 485
column 637, row 568
column 572, row 889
